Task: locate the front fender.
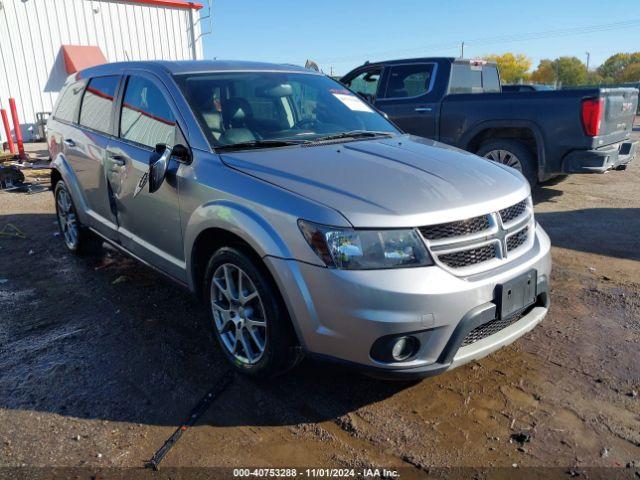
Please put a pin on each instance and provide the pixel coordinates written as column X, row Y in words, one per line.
column 246, row 224
column 61, row 165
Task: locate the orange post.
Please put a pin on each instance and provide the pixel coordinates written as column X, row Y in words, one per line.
column 16, row 128
column 7, row 130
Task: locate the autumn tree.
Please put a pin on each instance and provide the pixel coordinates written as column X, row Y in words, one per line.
column 513, row 68
column 631, row 73
column 564, row 70
column 545, row 73
column 613, row 68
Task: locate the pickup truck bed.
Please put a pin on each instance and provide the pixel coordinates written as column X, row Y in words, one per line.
column 542, row 133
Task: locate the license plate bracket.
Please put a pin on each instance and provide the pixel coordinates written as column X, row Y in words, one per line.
column 517, row 294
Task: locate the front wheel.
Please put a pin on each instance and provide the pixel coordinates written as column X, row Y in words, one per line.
column 512, row 153
column 247, row 317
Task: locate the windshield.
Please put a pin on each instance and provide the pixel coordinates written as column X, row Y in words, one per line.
column 276, row 108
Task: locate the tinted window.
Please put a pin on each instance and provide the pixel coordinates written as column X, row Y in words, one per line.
column 68, row 104
column 146, row 115
column 409, row 80
column 365, row 83
column 97, row 103
column 465, row 78
column 276, row 106
column 490, row 80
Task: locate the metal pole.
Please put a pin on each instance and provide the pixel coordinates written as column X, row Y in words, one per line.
column 16, row 128
column 462, row 50
column 7, row 130
column 192, row 31
column 588, row 55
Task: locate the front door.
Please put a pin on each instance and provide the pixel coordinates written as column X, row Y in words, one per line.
column 148, row 223
column 407, row 98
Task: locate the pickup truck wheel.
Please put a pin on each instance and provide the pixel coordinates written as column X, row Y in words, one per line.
column 249, row 322
column 77, row 238
column 513, row 154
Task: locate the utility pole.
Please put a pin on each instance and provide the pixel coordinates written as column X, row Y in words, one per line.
column 462, row 50
column 588, row 56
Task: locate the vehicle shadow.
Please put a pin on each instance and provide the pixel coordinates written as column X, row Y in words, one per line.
column 106, row 338
column 612, row 232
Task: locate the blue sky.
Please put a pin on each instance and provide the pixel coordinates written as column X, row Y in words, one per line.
column 344, row 34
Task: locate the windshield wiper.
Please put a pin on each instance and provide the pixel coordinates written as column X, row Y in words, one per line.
column 353, row 134
column 255, row 144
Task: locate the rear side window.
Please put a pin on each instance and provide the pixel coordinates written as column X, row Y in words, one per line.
column 465, row 79
column 146, row 116
column 68, row 105
column 409, row 80
column 490, row 80
column 97, row 103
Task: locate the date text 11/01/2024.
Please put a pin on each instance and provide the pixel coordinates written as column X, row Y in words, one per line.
column 316, row 473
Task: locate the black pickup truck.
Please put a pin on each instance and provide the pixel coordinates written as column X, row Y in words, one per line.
column 543, row 133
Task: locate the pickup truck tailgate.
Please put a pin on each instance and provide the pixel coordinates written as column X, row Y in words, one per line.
column 620, row 106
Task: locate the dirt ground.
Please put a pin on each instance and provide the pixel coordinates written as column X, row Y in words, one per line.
column 101, row 359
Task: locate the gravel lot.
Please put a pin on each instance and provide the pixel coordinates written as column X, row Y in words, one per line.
column 101, row 359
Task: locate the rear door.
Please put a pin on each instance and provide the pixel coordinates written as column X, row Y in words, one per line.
column 409, row 98
column 148, row 223
column 85, row 150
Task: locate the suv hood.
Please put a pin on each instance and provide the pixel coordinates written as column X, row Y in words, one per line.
column 403, row 181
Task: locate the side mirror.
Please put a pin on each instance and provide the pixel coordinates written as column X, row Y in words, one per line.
column 159, row 166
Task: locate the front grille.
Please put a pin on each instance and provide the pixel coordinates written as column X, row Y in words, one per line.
column 513, row 212
column 489, row 328
column 518, row 239
column 466, row 258
column 456, row 229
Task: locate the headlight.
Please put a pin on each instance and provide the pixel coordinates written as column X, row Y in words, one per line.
column 351, row 249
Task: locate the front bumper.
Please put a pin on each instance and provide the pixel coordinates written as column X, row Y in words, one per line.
column 338, row 314
column 600, row 160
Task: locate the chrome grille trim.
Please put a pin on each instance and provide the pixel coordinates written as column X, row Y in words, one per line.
column 480, row 243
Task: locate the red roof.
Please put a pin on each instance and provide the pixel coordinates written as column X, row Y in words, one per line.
column 78, row 57
column 170, row 3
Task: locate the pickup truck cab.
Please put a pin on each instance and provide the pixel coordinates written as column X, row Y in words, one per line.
column 541, row 133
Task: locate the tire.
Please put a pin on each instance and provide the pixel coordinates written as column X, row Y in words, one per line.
column 515, row 149
column 77, row 238
column 280, row 352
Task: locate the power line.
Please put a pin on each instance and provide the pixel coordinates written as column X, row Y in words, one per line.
column 519, row 37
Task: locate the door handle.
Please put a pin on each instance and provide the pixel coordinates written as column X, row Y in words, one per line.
column 422, row 109
column 69, row 142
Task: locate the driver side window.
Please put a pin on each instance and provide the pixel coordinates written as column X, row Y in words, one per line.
column 366, row 83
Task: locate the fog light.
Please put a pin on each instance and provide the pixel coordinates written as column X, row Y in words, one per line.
column 403, row 348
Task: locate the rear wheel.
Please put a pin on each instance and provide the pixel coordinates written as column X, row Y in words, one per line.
column 247, row 317
column 512, row 153
column 77, row 238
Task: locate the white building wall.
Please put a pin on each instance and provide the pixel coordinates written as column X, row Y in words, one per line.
column 32, row 66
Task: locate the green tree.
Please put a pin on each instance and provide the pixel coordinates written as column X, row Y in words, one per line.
column 570, row 71
column 613, row 67
column 631, row 73
column 513, row 67
column 545, row 73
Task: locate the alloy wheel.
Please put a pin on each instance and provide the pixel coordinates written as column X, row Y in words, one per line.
column 505, row 157
column 239, row 314
column 67, row 219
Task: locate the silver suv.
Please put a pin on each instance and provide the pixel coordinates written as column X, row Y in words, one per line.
column 306, row 221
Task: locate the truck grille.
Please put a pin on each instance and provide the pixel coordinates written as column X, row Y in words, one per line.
column 479, row 243
column 456, row 229
column 513, row 212
column 465, row 258
column 515, row 241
